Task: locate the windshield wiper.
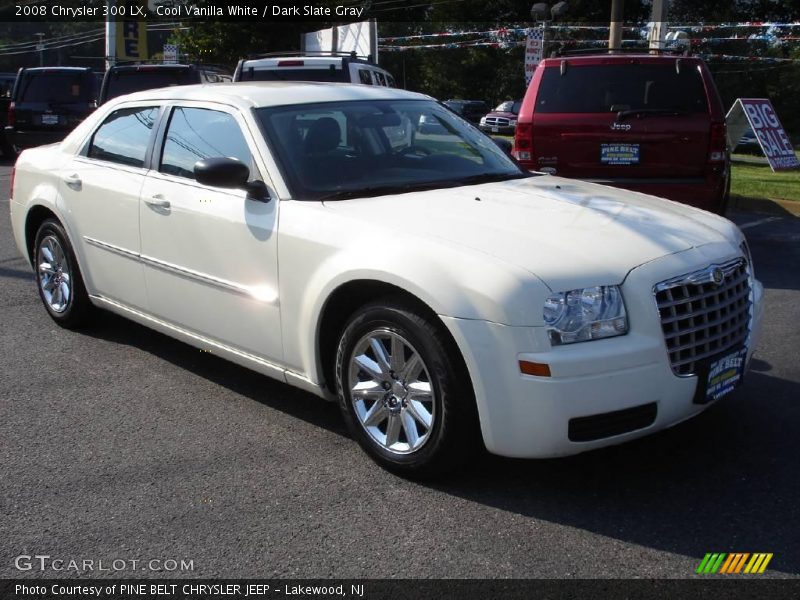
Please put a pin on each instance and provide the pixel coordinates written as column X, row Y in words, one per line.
column 378, row 190
column 384, row 190
column 651, row 111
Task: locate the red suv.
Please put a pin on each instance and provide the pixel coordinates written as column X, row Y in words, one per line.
column 649, row 123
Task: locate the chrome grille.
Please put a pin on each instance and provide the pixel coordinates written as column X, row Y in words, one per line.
column 498, row 121
column 704, row 314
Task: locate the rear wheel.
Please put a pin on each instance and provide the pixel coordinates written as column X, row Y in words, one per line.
column 404, row 392
column 58, row 277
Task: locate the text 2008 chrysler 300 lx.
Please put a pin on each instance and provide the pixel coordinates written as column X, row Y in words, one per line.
column 312, row 233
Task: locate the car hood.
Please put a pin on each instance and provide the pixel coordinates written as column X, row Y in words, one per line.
column 563, row 231
column 506, row 115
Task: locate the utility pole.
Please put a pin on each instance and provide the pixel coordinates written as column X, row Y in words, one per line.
column 658, row 18
column 615, row 30
column 111, row 36
column 40, row 47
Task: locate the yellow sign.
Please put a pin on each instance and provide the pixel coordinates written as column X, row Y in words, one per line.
column 132, row 30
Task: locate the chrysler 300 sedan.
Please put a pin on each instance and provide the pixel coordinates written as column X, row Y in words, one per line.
column 446, row 298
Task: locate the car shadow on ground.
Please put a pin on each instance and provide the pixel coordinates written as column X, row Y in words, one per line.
column 724, row 481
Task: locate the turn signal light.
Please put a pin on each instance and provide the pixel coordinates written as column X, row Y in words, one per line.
column 532, row 368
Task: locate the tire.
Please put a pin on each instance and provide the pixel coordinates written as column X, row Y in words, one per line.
column 58, row 277
column 414, row 409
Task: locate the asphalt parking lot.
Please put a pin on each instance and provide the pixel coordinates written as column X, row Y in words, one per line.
column 121, row 443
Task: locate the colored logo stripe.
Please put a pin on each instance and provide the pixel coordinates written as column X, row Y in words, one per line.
column 720, row 562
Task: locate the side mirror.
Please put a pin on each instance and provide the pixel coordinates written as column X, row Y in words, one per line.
column 229, row 173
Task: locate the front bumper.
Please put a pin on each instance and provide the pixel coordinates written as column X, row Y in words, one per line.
column 529, row 417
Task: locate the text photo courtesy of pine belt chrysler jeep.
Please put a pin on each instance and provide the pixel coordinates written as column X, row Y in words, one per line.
column 445, row 297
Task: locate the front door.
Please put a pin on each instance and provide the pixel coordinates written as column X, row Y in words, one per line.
column 210, row 254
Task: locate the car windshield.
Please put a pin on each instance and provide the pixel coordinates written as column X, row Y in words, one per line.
column 623, row 87
column 56, row 86
column 287, row 74
column 338, row 150
column 129, row 80
column 509, row 106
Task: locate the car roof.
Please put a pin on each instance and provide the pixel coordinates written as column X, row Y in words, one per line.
column 269, row 61
column 249, row 94
column 27, row 69
column 149, row 67
column 603, row 59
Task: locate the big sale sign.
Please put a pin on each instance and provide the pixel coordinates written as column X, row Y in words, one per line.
column 764, row 122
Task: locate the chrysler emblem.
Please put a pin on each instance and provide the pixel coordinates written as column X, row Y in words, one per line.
column 717, row 276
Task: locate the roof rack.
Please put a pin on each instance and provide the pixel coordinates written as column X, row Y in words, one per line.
column 312, row 53
column 629, row 50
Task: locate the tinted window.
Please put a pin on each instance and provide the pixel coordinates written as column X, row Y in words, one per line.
column 128, row 81
column 365, row 77
column 380, row 78
column 56, row 86
column 365, row 148
column 197, row 133
column 612, row 88
column 287, row 74
column 124, row 135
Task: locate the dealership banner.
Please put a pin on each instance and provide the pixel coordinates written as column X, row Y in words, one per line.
column 395, row 589
column 760, row 116
column 533, row 51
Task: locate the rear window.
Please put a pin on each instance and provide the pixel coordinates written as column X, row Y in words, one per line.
column 289, row 74
column 56, row 86
column 612, row 88
column 127, row 82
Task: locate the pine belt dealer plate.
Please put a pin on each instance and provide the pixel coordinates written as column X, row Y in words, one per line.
column 720, row 377
column 619, row 154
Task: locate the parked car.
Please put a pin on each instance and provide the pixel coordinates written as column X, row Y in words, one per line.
column 6, row 87
column 748, row 143
column 126, row 79
column 471, row 110
column 440, row 293
column 503, row 119
column 47, row 103
column 650, row 123
column 347, row 68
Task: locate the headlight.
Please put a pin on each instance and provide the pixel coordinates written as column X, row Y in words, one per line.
column 586, row 314
column 512, row 122
column 483, row 120
column 745, row 248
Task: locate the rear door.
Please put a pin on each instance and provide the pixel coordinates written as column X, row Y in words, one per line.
column 53, row 99
column 102, row 186
column 633, row 119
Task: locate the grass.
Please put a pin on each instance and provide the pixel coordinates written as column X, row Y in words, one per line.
column 758, row 181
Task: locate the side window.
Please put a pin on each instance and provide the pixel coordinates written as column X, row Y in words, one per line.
column 123, row 136
column 365, row 77
column 379, row 78
column 390, row 81
column 197, row 133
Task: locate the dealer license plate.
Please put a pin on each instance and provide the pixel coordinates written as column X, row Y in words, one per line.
column 495, row 129
column 619, row 154
column 724, row 375
column 49, row 119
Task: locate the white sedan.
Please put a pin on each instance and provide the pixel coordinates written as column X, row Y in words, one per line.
column 443, row 296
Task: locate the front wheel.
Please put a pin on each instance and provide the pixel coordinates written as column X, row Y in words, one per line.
column 58, row 277
column 404, row 391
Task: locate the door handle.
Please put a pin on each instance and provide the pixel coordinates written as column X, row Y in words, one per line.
column 73, row 181
column 157, row 201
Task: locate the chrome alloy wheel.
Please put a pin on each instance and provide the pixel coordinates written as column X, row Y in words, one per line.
column 55, row 279
column 391, row 391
